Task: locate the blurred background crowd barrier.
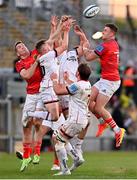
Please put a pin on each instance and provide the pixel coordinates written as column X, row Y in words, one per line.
column 29, row 21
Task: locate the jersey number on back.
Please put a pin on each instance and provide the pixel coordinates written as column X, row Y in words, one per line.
column 43, row 70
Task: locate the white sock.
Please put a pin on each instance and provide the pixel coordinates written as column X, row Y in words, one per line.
column 62, row 157
column 116, row 129
column 71, row 151
column 77, row 143
column 39, row 114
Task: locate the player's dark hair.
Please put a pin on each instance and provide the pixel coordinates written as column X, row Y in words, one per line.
column 84, row 71
column 112, row 26
column 18, row 42
column 39, row 45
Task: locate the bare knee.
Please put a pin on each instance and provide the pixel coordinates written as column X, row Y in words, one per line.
column 28, row 128
column 44, row 130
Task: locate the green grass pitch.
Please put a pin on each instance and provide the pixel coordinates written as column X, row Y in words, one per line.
column 98, row 165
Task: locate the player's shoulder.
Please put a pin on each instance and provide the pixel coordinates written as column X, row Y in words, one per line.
column 100, row 47
column 105, row 45
column 51, row 54
column 110, row 42
column 84, row 84
column 19, row 65
column 34, row 53
column 113, row 44
column 80, row 84
column 19, row 61
column 72, row 52
column 73, row 88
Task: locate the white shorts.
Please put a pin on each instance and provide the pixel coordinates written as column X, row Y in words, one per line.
column 54, row 125
column 48, row 95
column 64, row 101
column 68, row 131
column 40, row 104
column 30, row 105
column 72, row 126
column 106, row 87
column 72, row 129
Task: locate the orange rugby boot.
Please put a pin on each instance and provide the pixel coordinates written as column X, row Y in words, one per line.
column 101, row 128
column 119, row 137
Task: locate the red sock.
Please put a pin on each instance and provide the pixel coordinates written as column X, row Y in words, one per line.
column 30, row 150
column 56, row 161
column 37, row 147
column 26, row 150
column 111, row 122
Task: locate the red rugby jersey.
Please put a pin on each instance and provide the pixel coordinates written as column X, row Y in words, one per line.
column 33, row 84
column 109, row 58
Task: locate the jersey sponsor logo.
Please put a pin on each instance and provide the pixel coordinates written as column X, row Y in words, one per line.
column 35, row 56
column 104, row 90
column 73, row 88
column 99, row 48
column 72, row 58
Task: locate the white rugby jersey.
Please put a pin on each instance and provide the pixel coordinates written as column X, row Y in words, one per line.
column 48, row 63
column 79, row 99
column 69, row 63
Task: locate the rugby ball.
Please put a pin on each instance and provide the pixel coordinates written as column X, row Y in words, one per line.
column 91, row 11
column 97, row 35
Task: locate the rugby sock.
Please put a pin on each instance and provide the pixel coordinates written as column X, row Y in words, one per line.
column 71, row 151
column 38, row 114
column 62, row 156
column 26, row 150
column 56, row 161
column 77, row 143
column 30, row 150
column 37, row 148
column 112, row 124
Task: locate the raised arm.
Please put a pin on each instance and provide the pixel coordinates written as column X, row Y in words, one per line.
column 84, row 43
column 89, row 53
column 59, row 39
column 28, row 73
column 65, row 29
column 60, row 89
column 80, row 46
column 53, row 25
column 54, row 35
column 80, row 33
column 66, row 78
